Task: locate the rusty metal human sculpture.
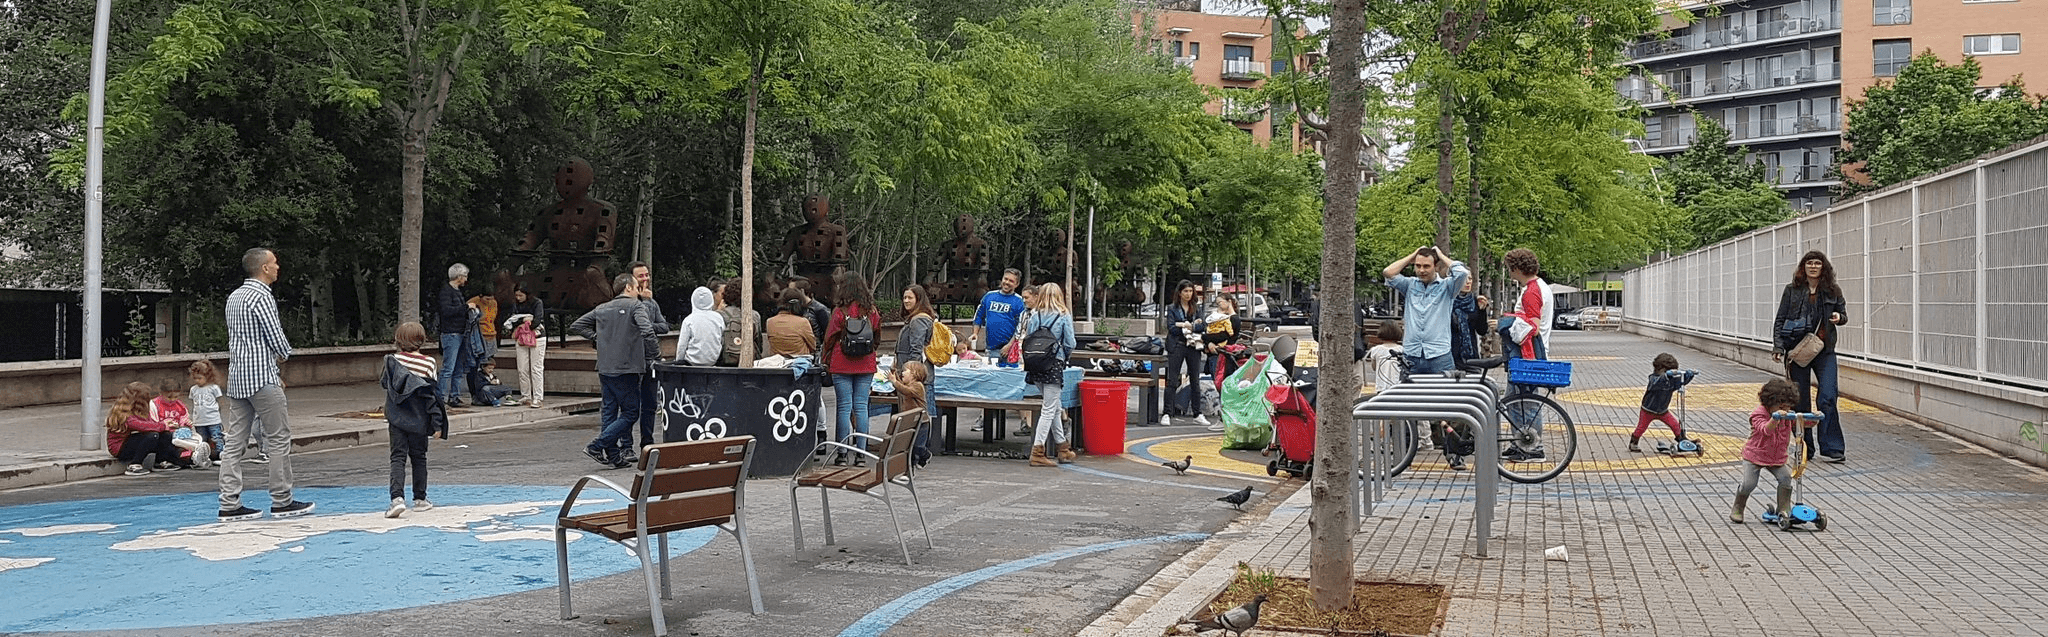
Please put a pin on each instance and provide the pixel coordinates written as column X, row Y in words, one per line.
column 964, row 265
column 818, row 250
column 574, row 236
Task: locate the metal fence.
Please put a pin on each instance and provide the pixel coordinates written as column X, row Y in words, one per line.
column 1946, row 274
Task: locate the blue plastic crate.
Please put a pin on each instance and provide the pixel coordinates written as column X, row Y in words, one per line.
column 1522, row 371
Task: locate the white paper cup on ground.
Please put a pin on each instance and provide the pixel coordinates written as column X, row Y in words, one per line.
column 1555, row 554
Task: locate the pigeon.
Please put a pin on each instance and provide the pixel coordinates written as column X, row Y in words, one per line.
column 1237, row 501
column 1179, row 467
column 1236, row 620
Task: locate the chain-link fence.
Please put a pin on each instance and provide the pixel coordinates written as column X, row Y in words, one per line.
column 1947, row 274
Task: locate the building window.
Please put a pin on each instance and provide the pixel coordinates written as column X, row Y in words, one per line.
column 1883, row 12
column 1195, row 50
column 2004, row 44
column 1236, row 52
column 1889, row 56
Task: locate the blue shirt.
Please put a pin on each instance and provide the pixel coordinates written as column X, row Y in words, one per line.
column 998, row 314
column 1428, row 311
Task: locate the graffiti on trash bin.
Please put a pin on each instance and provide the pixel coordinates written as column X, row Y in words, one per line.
column 685, row 405
column 790, row 417
column 713, row 428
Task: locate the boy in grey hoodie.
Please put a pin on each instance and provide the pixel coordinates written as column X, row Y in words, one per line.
column 621, row 329
column 701, row 340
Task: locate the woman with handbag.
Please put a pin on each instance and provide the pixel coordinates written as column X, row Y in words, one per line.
column 1804, row 337
column 530, row 342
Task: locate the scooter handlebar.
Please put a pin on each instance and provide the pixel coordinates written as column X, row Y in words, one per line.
column 1802, row 415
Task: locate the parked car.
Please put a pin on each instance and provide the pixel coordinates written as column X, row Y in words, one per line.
column 1252, row 305
column 1557, row 320
column 1596, row 316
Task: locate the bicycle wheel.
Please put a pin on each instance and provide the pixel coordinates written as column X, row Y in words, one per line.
column 1537, row 438
column 1402, row 443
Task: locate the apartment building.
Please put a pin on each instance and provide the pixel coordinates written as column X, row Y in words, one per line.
column 1770, row 71
column 1878, row 39
column 1230, row 52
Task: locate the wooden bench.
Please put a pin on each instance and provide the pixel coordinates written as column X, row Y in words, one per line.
column 677, row 486
column 888, row 466
column 1149, row 384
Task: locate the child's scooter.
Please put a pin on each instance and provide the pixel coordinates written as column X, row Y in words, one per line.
column 1687, row 447
column 1801, row 513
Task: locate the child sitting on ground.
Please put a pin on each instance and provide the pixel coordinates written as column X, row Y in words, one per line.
column 1769, row 437
column 1665, row 378
column 414, row 412
column 132, row 436
column 167, row 409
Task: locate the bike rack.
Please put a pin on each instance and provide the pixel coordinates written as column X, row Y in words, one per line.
column 1436, row 397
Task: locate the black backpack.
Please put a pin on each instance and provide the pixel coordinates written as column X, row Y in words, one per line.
column 1041, row 350
column 859, row 339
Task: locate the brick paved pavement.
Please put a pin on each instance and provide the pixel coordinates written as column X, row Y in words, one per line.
column 1927, row 535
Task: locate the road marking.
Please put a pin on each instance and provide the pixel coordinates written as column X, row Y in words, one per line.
column 1119, row 476
column 884, row 618
column 1207, row 448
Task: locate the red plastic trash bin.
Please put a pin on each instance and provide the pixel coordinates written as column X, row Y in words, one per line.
column 1103, row 416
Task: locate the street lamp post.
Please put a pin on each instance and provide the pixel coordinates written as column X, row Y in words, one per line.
column 89, row 437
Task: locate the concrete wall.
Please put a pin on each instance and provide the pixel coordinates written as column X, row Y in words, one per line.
column 49, row 382
column 2002, row 418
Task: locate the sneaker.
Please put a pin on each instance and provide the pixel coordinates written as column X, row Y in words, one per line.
column 165, row 465
column 628, row 458
column 621, row 464
column 1457, row 463
column 599, row 455
column 1836, row 458
column 533, row 403
column 1202, row 419
column 397, row 508
column 238, row 514
column 261, row 458
column 1512, row 454
column 457, row 403
column 295, row 509
column 1735, row 516
column 1634, row 446
column 422, row 505
column 136, row 470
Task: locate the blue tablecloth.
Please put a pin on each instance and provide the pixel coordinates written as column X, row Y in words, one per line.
column 1000, row 383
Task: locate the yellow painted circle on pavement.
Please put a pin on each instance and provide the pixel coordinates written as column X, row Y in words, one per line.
column 1715, row 396
column 1585, row 359
column 1209, row 454
column 1604, row 448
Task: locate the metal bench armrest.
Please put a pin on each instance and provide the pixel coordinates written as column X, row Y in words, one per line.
column 570, row 502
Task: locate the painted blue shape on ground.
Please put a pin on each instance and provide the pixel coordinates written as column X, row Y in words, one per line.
column 90, row 586
column 882, row 619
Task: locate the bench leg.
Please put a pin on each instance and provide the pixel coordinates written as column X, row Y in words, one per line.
column 796, row 519
column 900, row 543
column 825, row 500
column 739, row 530
column 663, row 542
column 912, row 488
column 562, row 570
column 653, row 595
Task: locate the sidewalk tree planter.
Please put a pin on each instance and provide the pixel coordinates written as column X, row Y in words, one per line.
column 1377, row 608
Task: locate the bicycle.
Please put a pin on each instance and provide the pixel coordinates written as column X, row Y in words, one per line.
column 1536, row 446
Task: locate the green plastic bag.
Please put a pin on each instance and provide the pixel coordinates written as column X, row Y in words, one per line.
column 1247, row 417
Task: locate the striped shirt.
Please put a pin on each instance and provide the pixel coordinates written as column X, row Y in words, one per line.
column 256, row 340
column 418, row 363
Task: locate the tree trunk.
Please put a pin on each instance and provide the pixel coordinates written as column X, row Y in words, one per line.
column 412, row 193
column 1070, row 250
column 747, row 203
column 643, row 222
column 1474, row 135
column 1446, row 170
column 1333, row 516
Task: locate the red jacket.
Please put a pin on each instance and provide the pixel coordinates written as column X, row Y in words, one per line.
column 136, row 424
column 839, row 362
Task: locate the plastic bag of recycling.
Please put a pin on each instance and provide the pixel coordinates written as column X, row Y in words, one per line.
column 1247, row 417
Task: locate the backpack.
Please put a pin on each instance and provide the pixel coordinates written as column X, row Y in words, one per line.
column 731, row 337
column 859, row 339
column 939, row 350
column 1041, row 349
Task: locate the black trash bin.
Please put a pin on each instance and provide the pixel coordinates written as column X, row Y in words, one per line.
column 775, row 406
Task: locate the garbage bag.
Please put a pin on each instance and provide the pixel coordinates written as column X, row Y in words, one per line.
column 1247, row 417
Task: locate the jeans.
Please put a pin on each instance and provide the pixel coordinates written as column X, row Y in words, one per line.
column 1437, row 364
column 1524, row 417
column 1822, row 369
column 454, row 364
column 650, row 404
column 267, row 404
column 1049, row 417
column 1179, row 359
column 852, row 391
column 212, row 435
column 621, row 408
column 408, row 448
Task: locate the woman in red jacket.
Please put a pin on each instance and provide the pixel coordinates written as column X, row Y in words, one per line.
column 851, row 339
column 132, row 436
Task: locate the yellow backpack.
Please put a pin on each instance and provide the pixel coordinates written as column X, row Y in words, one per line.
column 939, row 350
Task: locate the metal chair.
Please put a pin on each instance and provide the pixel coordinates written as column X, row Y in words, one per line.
column 678, row 486
column 892, row 467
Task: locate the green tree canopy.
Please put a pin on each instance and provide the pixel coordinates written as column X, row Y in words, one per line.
column 1931, row 116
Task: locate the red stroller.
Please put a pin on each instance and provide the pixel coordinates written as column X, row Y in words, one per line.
column 1294, row 427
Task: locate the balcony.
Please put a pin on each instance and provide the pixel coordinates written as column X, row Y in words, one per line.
column 1785, row 127
column 1735, row 85
column 1242, row 69
column 1739, row 36
column 1237, row 112
column 1184, row 62
column 1786, row 176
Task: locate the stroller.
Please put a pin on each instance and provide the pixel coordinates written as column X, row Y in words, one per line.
column 1294, row 426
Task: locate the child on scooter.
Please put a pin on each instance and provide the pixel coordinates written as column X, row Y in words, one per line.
column 1665, row 378
column 1769, row 437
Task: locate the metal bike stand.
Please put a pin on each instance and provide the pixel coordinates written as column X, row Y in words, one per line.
column 1458, row 406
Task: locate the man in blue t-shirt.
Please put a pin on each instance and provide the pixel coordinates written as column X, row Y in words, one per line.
column 999, row 312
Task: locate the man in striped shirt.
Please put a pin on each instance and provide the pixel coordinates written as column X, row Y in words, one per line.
column 256, row 344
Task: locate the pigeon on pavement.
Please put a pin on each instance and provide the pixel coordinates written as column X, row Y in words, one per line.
column 1236, row 620
column 1179, row 467
column 1237, row 499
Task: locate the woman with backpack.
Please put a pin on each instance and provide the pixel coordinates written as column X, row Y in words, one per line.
column 736, row 318
column 850, row 357
column 921, row 331
column 1048, row 340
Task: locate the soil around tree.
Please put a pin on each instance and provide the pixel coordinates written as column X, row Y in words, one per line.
column 1378, row 608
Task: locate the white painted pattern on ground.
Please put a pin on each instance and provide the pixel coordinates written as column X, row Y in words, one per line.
column 237, row 540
